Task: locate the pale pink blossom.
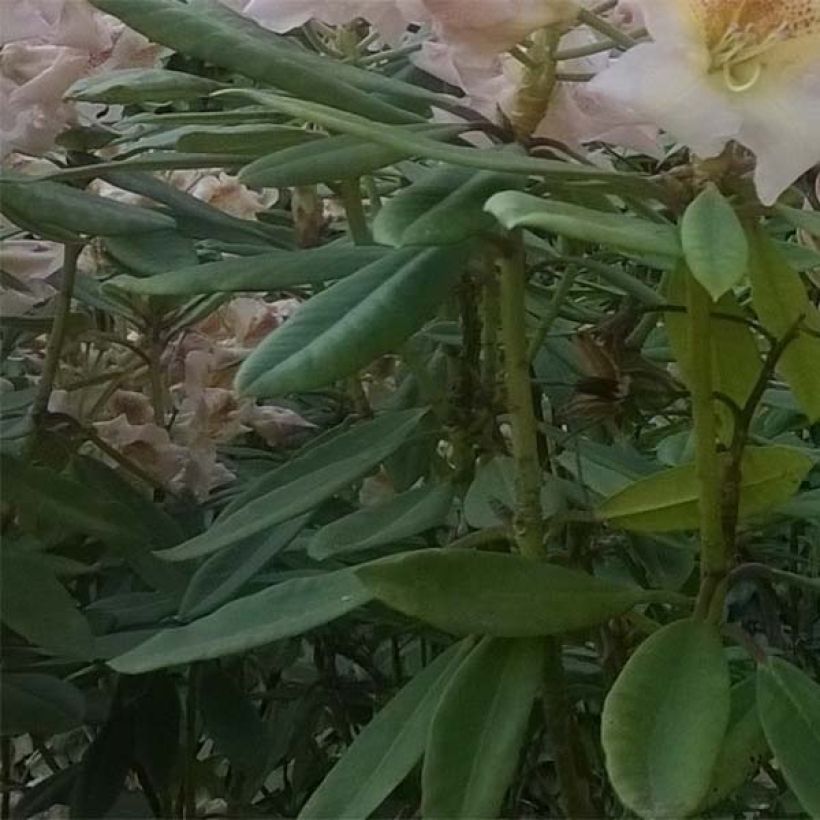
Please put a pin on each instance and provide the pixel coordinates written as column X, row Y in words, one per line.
column 722, row 70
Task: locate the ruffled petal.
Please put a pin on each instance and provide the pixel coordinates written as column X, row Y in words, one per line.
column 670, row 89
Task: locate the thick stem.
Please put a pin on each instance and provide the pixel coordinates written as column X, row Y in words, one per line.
column 56, row 339
column 713, row 558
column 351, row 195
column 528, row 523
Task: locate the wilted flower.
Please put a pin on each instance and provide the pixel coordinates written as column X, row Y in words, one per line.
column 721, row 70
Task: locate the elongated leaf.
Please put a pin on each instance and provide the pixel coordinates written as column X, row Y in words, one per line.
column 141, row 85
column 39, row 705
column 332, row 158
column 714, row 243
column 223, row 574
column 788, row 702
column 250, row 140
column 157, row 746
column 37, row 606
column 417, row 145
column 808, row 221
column 518, row 210
column 484, row 593
column 275, row 270
column 736, row 360
column 194, row 217
column 289, row 608
column 443, row 207
column 232, row 721
column 210, row 31
column 665, row 718
column 744, row 747
column 297, row 487
column 347, row 326
column 668, row 501
column 152, row 253
column 387, row 749
column 780, row 300
column 61, row 212
column 104, row 767
column 479, row 726
column 402, row 516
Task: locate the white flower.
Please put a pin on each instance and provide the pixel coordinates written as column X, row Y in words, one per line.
column 721, row 70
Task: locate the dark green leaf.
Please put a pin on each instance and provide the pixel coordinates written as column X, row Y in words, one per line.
column 788, row 702
column 210, row 31
column 275, row 270
column 518, row 210
column 232, row 721
column 479, row 726
column 152, row 253
column 141, row 85
column 387, row 749
column 305, row 482
column 38, row 607
column 222, row 575
column 402, row 516
column 347, row 326
column 39, row 705
column 281, row 611
column 665, row 718
column 485, row 593
column 63, row 213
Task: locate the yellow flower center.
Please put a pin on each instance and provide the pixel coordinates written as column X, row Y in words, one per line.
column 743, row 35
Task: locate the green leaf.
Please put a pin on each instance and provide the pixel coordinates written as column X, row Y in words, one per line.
column 222, row 575
column 276, row 270
column 281, row 611
column 353, row 322
column 490, row 499
column 780, row 300
column 714, row 243
column 38, row 607
column 803, row 220
column 152, row 253
column 387, row 749
column 39, row 705
column 62, row 213
column 479, row 726
column 422, row 146
column 331, row 159
column 744, row 746
column 518, row 210
column 304, row 483
column 141, row 85
column 157, row 744
column 788, row 702
column 250, row 140
column 668, row 500
column 231, row 720
column 402, row 516
column 484, row 593
column 736, row 361
column 665, row 718
column 210, row 31
column 445, row 206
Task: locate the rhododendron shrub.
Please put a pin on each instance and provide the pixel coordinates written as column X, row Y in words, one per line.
column 410, row 408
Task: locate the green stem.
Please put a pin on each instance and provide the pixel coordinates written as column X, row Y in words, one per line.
column 713, row 558
column 56, row 339
column 528, row 522
column 351, row 196
column 561, row 293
